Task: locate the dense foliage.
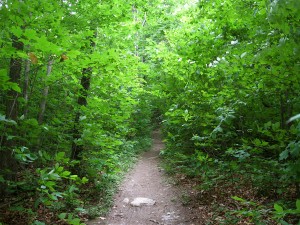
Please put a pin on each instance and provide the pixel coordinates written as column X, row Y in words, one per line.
column 228, row 74
column 71, row 93
column 81, row 83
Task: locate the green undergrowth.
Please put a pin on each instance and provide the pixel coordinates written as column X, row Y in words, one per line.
column 235, row 191
column 51, row 193
column 99, row 196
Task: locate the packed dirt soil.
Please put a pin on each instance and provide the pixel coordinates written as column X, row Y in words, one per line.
column 161, row 202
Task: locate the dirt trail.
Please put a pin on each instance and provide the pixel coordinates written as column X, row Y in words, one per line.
column 148, row 181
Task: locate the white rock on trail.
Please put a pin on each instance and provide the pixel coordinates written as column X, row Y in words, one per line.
column 142, row 201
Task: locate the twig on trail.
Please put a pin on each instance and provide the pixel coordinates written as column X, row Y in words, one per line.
column 154, row 221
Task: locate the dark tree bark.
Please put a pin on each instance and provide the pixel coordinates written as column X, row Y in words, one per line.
column 82, row 101
column 14, row 75
column 77, row 149
column 8, row 164
column 26, row 86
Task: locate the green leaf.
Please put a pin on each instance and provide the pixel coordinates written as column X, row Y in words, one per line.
column 73, row 188
column 4, row 79
column 243, row 55
column 66, row 173
column 298, row 204
column 62, row 216
column 37, row 223
column 32, row 122
column 73, row 177
column 284, row 155
column 257, row 142
column 17, row 31
column 15, row 87
column 57, row 194
column 59, row 169
column 84, row 180
column 82, row 118
column 74, row 53
column 75, row 221
column 238, row 199
column 46, row 128
column 30, row 34
column 53, row 197
column 2, row 118
column 278, row 208
column 10, row 137
column 22, row 54
column 59, row 156
column 293, row 118
column 50, row 184
column 54, row 176
column 80, row 209
column 260, row 86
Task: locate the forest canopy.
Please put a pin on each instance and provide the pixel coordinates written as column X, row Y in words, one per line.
column 83, row 83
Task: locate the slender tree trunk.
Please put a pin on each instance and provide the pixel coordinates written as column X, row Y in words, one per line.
column 26, row 85
column 8, row 164
column 135, row 13
column 77, row 148
column 45, row 94
column 14, row 75
column 82, row 101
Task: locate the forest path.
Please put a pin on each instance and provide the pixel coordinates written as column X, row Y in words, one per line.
column 148, row 181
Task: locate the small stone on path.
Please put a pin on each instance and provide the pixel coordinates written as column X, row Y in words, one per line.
column 142, row 201
column 126, row 200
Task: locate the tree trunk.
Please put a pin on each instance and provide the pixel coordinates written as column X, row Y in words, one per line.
column 82, row 101
column 135, row 13
column 26, row 85
column 45, row 94
column 8, row 164
column 14, row 75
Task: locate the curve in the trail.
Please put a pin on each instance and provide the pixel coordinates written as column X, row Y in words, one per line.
column 160, row 202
